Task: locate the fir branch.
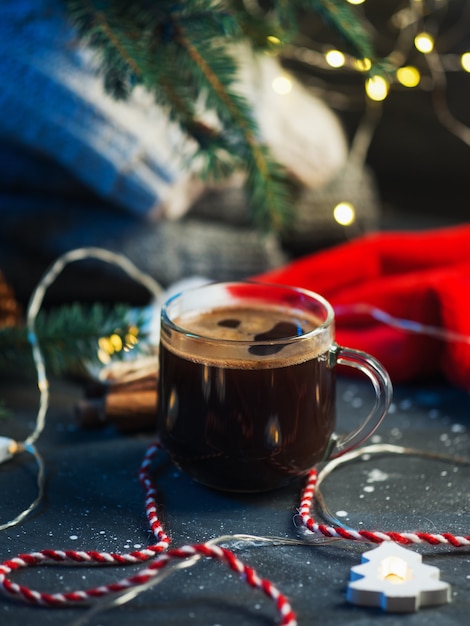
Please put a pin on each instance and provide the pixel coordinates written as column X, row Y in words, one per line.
column 71, row 337
column 268, row 184
column 342, row 18
column 185, row 55
column 265, row 185
column 279, row 20
column 192, row 46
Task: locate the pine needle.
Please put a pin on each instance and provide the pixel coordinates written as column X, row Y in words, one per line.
column 74, row 338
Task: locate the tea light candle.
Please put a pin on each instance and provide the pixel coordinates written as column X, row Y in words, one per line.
column 394, row 578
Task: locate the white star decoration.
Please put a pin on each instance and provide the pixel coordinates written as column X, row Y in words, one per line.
column 394, row 579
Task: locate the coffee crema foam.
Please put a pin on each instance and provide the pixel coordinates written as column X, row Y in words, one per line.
column 248, row 337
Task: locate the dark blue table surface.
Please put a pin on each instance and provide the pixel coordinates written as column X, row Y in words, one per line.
column 94, row 501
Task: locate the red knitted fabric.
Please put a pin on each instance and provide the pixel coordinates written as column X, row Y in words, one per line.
column 420, row 276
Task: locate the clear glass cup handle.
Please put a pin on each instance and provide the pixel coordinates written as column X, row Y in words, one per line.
column 382, row 384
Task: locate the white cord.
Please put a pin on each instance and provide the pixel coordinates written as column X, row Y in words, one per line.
column 8, row 447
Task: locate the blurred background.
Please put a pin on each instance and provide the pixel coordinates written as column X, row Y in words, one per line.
column 80, row 169
column 419, row 148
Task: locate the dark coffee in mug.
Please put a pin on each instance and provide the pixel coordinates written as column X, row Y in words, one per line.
column 252, row 422
column 247, row 384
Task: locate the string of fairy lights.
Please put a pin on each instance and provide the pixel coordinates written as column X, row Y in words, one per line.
column 414, row 62
column 416, row 24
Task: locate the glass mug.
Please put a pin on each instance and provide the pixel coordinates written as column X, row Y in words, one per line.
column 247, row 377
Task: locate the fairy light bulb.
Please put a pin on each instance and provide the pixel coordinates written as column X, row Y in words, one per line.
column 344, row 213
column 282, row 85
column 408, row 76
column 8, row 447
column 362, row 65
column 377, row 88
column 131, row 339
column 274, row 45
column 424, row 42
column 108, row 346
column 104, row 356
column 116, row 342
column 356, row 1
column 335, row 58
column 105, row 344
column 465, row 61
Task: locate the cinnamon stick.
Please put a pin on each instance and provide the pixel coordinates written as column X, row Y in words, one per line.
column 130, row 405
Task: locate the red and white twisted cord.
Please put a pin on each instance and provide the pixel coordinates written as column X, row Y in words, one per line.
column 283, row 606
column 312, row 484
column 160, row 554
